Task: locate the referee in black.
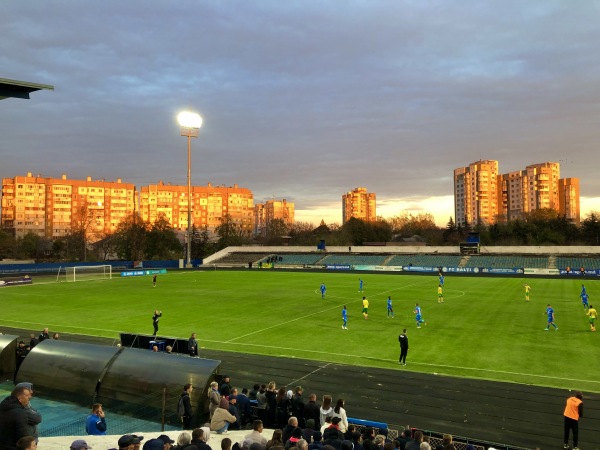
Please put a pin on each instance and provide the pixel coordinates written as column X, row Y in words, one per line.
column 157, row 315
column 403, row 339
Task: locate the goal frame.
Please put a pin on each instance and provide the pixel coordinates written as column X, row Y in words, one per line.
column 88, row 273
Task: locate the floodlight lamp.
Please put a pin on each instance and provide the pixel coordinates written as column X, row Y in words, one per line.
column 189, row 119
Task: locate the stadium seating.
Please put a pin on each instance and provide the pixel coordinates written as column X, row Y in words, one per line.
column 297, row 258
column 353, row 259
column 576, row 262
column 425, row 260
column 507, row 262
column 237, row 258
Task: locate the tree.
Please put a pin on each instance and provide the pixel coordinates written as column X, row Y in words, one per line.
column 274, row 230
column 161, row 241
column 590, row 229
column 130, row 238
column 201, row 245
column 27, row 246
column 229, row 232
column 7, row 245
column 81, row 226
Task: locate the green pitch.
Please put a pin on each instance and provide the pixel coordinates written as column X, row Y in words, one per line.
column 484, row 329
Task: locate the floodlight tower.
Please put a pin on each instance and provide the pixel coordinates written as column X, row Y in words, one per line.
column 190, row 125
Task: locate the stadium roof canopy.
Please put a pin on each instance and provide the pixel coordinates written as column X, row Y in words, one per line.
column 19, row 89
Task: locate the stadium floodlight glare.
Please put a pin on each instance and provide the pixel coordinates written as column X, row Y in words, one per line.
column 190, row 124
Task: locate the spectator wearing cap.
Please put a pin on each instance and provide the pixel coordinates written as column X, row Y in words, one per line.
column 154, row 444
column 221, row 418
column 167, row 440
column 80, row 444
column 294, row 438
column 13, row 417
column 128, row 441
column 138, row 443
column 332, row 434
column 95, row 424
column 34, row 418
column 316, row 441
column 308, row 431
column 26, row 443
column 255, row 436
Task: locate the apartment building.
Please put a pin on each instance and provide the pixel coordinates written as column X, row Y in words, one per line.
column 209, row 204
column 272, row 209
column 359, row 204
column 476, row 193
column 54, row 207
column 483, row 195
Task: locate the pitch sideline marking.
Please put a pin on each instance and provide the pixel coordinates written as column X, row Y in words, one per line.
column 475, row 369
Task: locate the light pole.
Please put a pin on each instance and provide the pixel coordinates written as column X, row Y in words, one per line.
column 190, row 125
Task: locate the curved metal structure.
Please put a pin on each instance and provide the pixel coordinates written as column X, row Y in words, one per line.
column 66, row 370
column 120, row 378
column 8, row 354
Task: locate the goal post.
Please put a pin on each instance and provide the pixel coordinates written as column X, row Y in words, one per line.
column 87, row 273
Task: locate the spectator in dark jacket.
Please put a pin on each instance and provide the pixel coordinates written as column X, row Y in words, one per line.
column 332, row 435
column 34, row 418
column 307, row 433
column 298, row 407
column 243, row 406
column 316, row 444
column 357, row 440
column 312, row 410
column 13, row 418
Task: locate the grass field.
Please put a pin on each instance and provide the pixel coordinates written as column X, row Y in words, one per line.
column 485, row 329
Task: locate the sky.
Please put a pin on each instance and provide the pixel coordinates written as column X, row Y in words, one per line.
column 304, row 100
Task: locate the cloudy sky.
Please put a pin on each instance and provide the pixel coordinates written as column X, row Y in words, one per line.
column 304, row 100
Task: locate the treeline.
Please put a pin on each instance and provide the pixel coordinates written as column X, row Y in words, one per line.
column 136, row 239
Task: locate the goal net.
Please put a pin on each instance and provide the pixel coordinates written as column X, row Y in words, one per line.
column 85, row 273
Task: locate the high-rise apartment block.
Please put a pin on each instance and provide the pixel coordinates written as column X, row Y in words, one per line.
column 209, row 205
column 54, row 207
column 359, row 204
column 272, row 209
column 481, row 195
column 476, row 193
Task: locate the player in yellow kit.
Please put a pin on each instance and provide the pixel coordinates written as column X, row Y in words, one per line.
column 527, row 289
column 593, row 315
column 365, row 310
column 440, row 294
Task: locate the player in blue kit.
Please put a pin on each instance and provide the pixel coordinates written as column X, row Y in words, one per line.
column 583, row 291
column 360, row 285
column 344, row 318
column 585, row 300
column 441, row 283
column 390, row 311
column 550, row 313
column 323, row 290
column 418, row 316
